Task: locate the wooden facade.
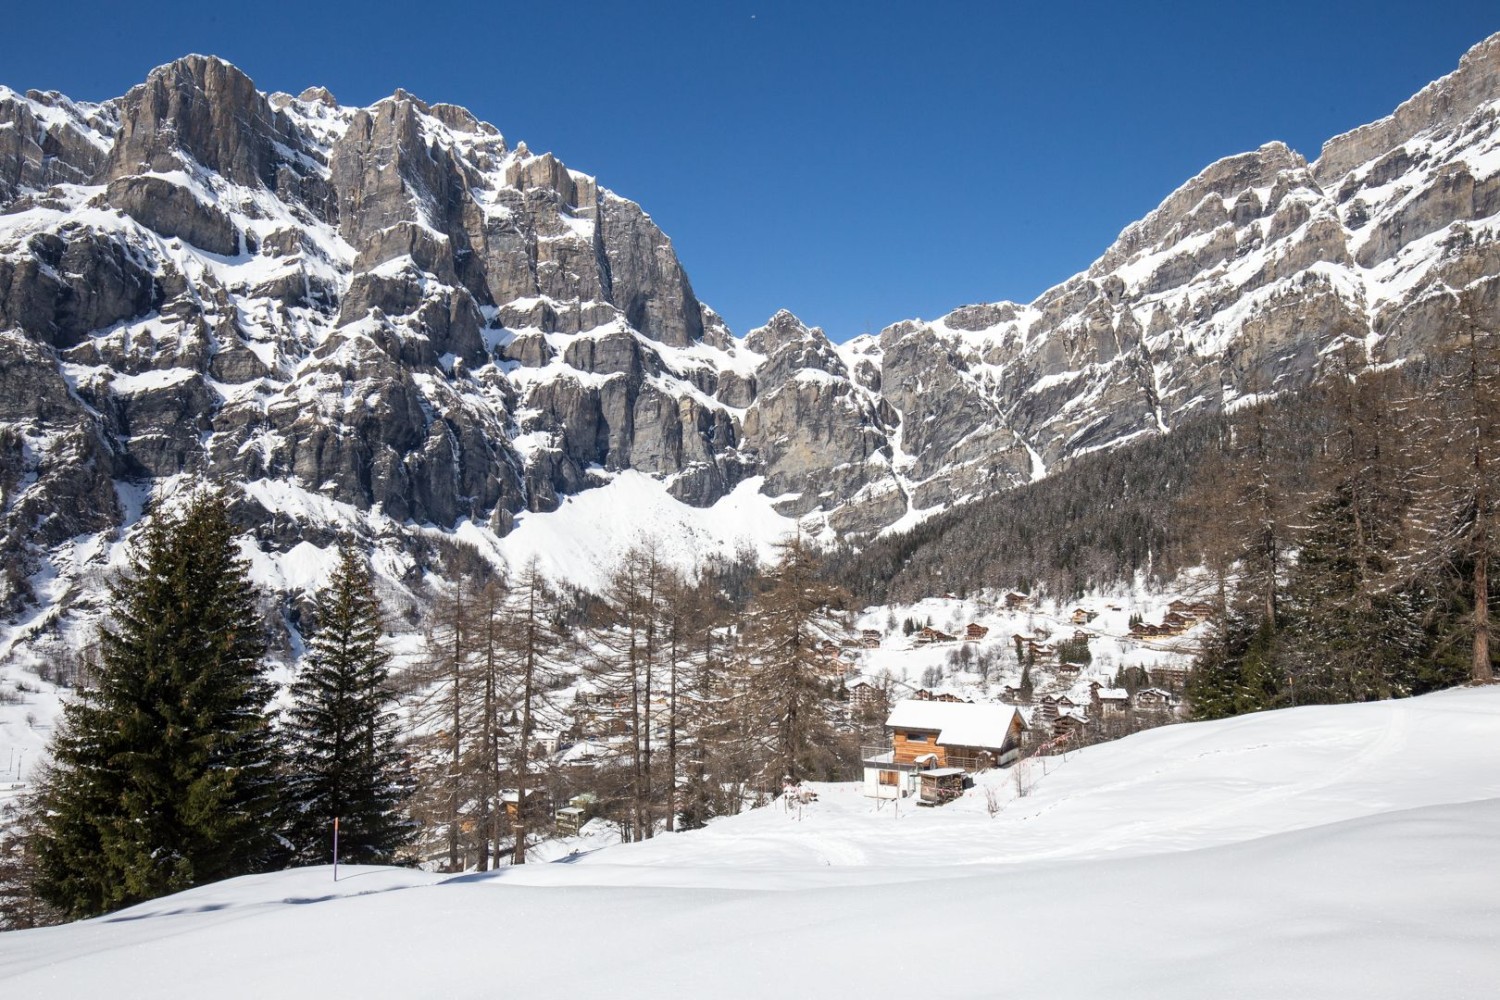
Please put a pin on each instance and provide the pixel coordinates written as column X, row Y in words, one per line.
column 912, row 746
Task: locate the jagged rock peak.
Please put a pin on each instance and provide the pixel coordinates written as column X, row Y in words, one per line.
column 204, row 108
column 318, row 95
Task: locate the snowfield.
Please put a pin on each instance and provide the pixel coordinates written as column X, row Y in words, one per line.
column 1316, row 852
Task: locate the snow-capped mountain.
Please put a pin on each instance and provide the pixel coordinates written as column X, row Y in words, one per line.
column 388, row 319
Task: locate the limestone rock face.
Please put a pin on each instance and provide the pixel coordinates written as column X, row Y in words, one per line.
column 818, row 436
column 46, row 139
column 174, row 210
column 205, row 109
column 390, row 321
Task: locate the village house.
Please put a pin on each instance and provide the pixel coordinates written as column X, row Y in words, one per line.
column 975, row 632
column 1197, row 609
column 1016, row 602
column 1082, row 616
column 863, row 694
column 940, row 737
column 1051, row 707
column 1153, row 700
column 1039, row 652
column 1109, row 702
column 930, row 635
column 1172, row 676
column 870, row 638
column 1071, row 727
column 927, row 694
column 510, row 797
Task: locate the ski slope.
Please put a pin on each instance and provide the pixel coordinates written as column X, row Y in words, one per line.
column 1316, row 852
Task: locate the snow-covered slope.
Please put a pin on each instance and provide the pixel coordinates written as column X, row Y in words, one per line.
column 1316, row 852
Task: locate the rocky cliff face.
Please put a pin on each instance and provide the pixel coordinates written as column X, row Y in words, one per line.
column 389, row 319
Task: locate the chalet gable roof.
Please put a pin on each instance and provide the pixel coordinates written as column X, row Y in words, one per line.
column 956, row 724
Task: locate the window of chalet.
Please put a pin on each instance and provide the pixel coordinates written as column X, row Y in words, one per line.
column 887, row 777
column 916, row 737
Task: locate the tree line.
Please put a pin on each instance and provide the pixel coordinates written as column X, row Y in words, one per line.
column 1364, row 571
column 660, row 702
column 681, row 699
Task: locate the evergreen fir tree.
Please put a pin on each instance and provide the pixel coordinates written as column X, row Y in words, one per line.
column 341, row 740
column 163, row 776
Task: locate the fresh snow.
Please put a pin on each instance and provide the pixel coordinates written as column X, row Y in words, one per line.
column 1318, row 852
column 586, row 536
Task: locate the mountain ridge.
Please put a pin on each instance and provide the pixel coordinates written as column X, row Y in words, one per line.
column 415, row 331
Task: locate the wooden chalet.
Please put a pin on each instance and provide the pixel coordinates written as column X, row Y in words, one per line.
column 863, row 694
column 1153, row 700
column 931, row 635
column 1016, row 601
column 870, row 638
column 1110, row 701
column 511, row 798
column 974, row 632
column 1079, row 635
column 1051, row 707
column 927, row 694
column 1071, row 727
column 1082, row 616
column 929, row 736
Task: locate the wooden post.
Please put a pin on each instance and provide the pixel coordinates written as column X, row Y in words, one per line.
column 335, row 848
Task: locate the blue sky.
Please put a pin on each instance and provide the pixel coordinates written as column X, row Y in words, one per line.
column 858, row 163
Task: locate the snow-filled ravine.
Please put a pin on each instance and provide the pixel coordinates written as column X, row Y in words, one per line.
column 1315, row 852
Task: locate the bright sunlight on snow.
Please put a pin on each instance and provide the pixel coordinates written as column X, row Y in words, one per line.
column 1313, row 852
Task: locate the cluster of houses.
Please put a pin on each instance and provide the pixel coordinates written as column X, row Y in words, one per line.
column 1180, row 617
column 973, row 632
column 1040, row 649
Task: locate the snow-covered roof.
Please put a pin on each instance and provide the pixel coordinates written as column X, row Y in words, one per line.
column 1114, row 694
column 956, row 724
column 941, row 772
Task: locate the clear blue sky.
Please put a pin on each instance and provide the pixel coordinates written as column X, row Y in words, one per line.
column 855, row 162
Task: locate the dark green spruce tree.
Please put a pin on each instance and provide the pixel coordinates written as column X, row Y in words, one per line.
column 163, row 774
column 344, row 761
